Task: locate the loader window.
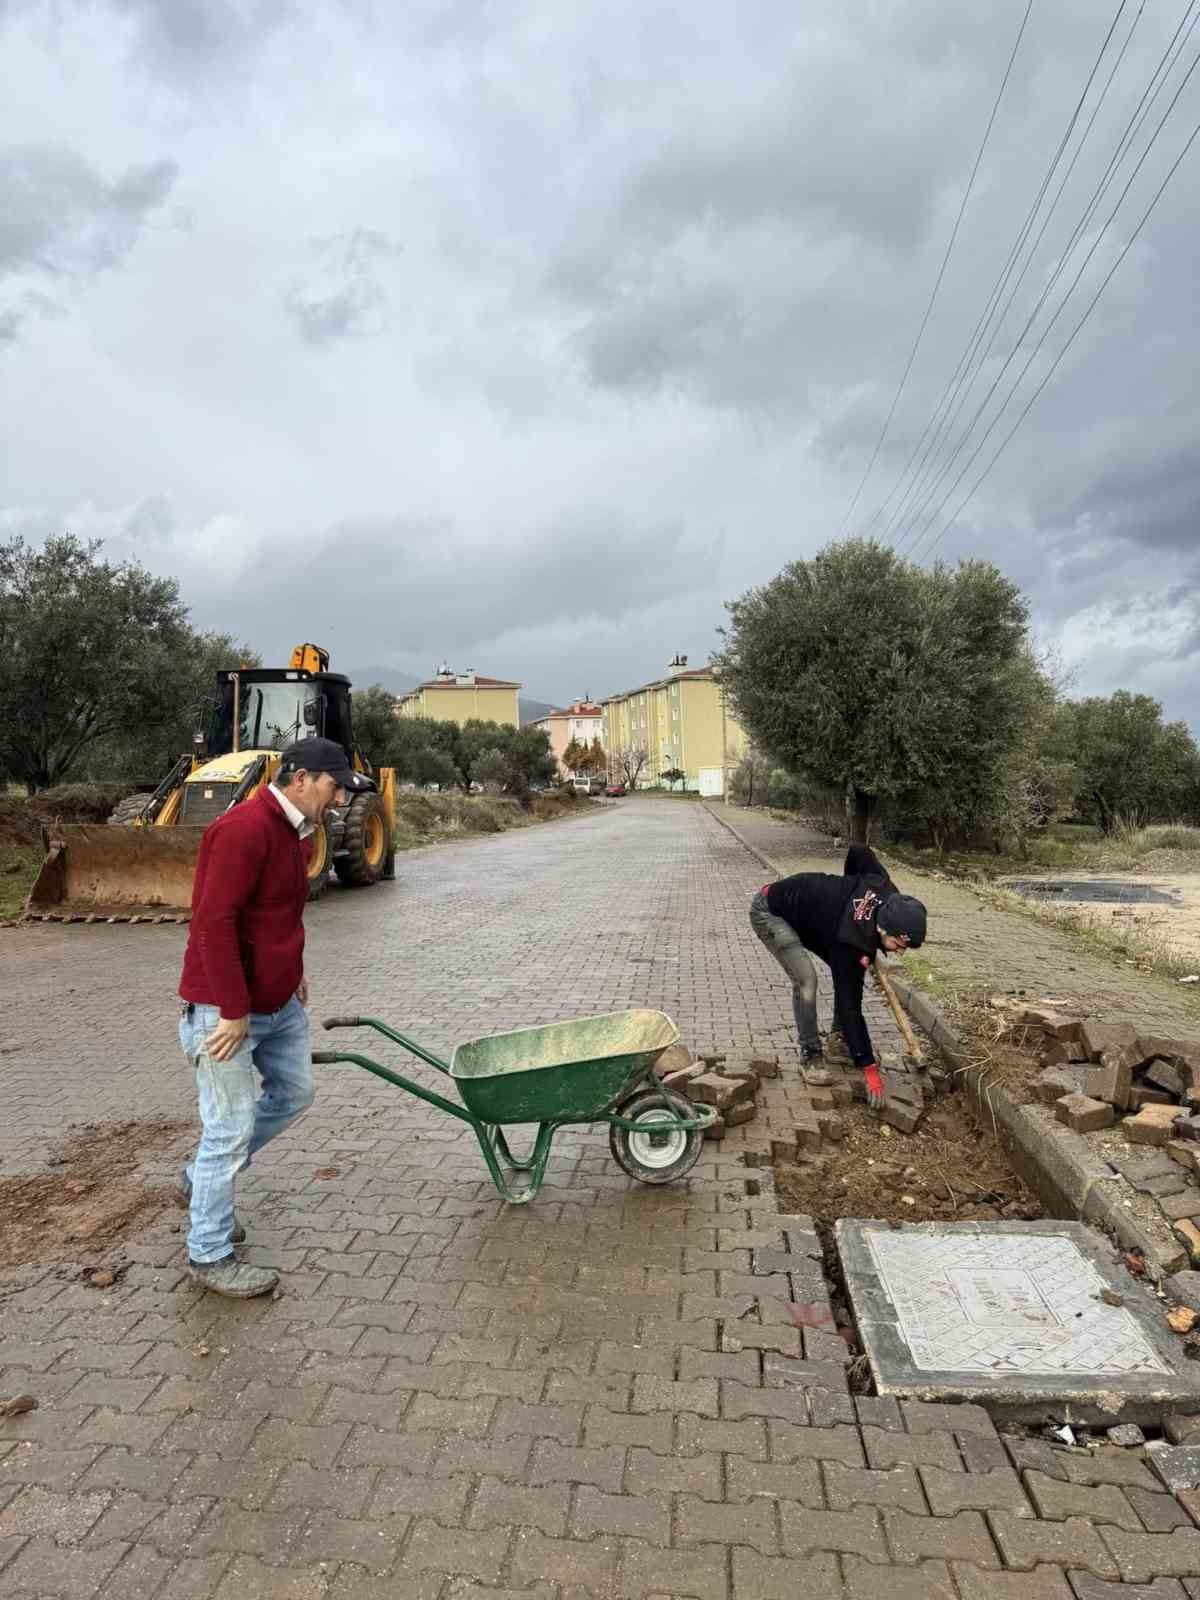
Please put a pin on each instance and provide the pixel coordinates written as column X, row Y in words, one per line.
column 272, row 716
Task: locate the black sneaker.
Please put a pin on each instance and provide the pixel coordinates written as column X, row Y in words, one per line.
column 233, row 1278
column 183, row 1199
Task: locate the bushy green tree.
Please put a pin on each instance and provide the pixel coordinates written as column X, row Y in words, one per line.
column 867, row 673
column 373, row 715
column 1131, row 764
column 103, row 675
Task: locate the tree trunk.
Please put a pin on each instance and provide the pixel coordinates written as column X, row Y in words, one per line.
column 862, row 808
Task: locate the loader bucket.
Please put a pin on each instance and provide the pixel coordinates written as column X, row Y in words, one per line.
column 95, row 873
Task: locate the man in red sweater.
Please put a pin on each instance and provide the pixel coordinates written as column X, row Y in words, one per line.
column 244, row 992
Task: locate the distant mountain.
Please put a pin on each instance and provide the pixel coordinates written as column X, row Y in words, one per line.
column 401, row 682
column 532, row 710
column 387, row 678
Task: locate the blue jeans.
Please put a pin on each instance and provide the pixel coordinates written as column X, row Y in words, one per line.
column 237, row 1120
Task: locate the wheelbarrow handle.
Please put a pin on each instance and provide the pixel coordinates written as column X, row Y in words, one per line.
column 341, row 1022
column 324, row 1057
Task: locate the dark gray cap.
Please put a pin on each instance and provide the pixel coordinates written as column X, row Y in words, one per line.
column 326, row 755
column 901, row 914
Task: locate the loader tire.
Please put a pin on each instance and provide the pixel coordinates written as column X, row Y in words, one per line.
column 130, row 809
column 320, row 863
column 366, row 842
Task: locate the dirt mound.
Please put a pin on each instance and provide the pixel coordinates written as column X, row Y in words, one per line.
column 92, row 1195
column 948, row 1171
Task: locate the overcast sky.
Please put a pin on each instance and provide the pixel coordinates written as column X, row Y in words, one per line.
column 525, row 334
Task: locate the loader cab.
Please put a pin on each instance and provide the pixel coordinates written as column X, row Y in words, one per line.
column 263, row 708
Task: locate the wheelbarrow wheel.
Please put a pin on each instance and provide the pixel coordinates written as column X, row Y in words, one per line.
column 652, row 1153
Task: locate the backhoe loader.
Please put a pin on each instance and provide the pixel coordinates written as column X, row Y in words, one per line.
column 139, row 866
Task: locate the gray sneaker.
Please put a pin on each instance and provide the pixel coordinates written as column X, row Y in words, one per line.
column 236, row 1279
column 816, row 1074
column 183, row 1199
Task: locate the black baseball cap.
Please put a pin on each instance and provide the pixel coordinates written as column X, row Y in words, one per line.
column 901, row 914
column 326, row 755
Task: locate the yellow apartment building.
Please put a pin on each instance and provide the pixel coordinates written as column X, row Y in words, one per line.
column 680, row 721
column 461, row 696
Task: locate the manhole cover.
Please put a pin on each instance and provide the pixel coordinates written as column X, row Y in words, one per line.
column 1010, row 1314
column 1095, row 889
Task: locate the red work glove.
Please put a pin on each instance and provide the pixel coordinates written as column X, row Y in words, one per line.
column 876, row 1094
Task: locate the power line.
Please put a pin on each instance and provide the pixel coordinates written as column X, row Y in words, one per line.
column 920, row 517
column 977, row 334
column 922, row 492
column 912, row 356
column 1077, row 328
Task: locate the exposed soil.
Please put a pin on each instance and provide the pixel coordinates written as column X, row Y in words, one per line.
column 948, row 1171
column 92, row 1195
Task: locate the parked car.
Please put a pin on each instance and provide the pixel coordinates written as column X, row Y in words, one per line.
column 615, row 791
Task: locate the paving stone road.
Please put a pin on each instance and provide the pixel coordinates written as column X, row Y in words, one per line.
column 604, row 1393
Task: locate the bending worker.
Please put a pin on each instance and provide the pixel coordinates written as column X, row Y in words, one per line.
column 845, row 922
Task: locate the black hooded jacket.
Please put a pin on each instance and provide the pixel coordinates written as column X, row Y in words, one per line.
column 835, row 918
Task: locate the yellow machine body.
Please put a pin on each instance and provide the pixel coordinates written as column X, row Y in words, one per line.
column 143, row 871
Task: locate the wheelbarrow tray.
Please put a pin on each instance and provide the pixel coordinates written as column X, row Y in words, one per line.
column 566, row 1071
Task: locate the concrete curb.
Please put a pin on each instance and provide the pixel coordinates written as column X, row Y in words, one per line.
column 1059, row 1166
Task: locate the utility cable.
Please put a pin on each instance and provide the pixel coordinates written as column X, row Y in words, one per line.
column 1174, row 167
column 912, row 355
column 919, row 516
column 906, row 522
column 998, row 287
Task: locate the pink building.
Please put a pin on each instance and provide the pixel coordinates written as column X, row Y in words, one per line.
column 580, row 721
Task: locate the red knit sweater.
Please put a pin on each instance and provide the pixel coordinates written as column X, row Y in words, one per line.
column 245, row 949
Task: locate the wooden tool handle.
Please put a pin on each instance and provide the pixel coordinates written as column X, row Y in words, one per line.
column 910, row 1039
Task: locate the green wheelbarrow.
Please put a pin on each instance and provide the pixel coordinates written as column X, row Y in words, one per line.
column 595, row 1069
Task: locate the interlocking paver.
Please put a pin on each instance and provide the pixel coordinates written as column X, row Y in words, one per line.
column 751, row 1522
column 964, row 1537
column 978, row 1491
column 1042, row 1583
column 1026, row 1542
column 799, row 1481
column 1100, row 1503
column 1142, row 1556
column 857, row 1532
column 854, row 1486
column 579, row 1382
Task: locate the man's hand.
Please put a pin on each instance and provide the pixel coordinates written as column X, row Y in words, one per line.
column 302, row 992
column 224, row 1042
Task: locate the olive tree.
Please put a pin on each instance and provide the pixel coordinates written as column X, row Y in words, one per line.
column 864, row 672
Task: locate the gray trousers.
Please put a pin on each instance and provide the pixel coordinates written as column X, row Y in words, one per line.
column 785, row 944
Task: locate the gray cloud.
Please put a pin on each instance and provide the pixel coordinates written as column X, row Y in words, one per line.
column 656, row 288
column 340, row 294
column 61, row 220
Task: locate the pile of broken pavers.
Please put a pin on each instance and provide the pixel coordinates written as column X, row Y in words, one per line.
column 712, row 1080
column 1100, row 1074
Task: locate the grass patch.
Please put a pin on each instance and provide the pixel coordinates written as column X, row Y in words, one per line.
column 19, row 866
column 919, row 971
